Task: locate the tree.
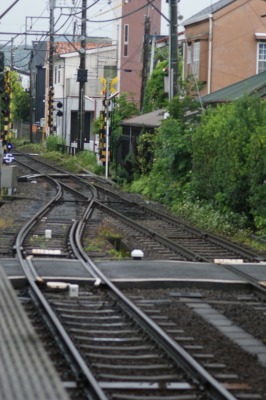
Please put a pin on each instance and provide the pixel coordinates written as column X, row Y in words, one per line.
column 229, row 165
column 20, row 99
column 165, row 158
column 123, row 109
column 154, row 96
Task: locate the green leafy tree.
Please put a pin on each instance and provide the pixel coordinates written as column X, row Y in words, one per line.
column 256, row 174
column 154, row 94
column 145, row 149
column 165, row 158
column 20, row 99
column 229, row 157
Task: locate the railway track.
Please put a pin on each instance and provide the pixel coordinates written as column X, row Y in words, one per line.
column 110, row 345
column 137, row 225
column 193, row 244
column 101, row 331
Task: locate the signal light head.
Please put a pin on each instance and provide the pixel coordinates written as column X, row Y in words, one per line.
column 59, row 112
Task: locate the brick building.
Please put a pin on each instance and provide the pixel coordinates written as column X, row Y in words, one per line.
column 225, row 43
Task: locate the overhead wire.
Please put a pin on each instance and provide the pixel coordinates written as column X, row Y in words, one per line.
column 76, row 14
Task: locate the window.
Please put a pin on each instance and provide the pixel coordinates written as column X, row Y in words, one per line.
column 261, row 63
column 196, row 59
column 126, row 35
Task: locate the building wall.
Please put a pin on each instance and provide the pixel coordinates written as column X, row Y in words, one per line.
column 131, row 63
column 229, row 54
column 66, row 90
column 197, row 33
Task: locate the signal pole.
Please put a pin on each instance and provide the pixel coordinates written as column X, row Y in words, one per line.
column 107, row 128
column 173, row 50
column 51, row 71
column 82, row 77
column 145, row 59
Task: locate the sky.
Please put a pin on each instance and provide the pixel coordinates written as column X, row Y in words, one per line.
column 35, row 13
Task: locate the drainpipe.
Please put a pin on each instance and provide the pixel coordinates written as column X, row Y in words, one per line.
column 64, row 124
column 210, row 54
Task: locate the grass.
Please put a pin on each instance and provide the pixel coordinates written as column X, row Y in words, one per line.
column 230, row 225
column 107, row 241
column 202, row 215
column 205, row 216
column 84, row 160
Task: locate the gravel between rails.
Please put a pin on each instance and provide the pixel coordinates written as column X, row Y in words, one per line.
column 238, row 361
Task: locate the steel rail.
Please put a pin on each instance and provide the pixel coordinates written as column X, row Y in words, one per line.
column 202, row 234
column 60, row 170
column 22, row 233
column 190, row 255
column 64, row 174
column 95, row 392
column 201, row 377
column 196, row 257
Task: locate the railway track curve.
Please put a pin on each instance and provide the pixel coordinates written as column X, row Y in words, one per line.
column 101, row 329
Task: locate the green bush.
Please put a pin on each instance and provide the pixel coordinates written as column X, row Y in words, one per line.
column 53, row 141
column 205, row 216
column 229, row 164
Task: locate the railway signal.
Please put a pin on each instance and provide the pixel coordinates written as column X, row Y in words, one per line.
column 51, row 110
column 59, row 109
column 6, row 108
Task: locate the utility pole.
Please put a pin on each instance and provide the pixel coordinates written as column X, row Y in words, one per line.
column 51, row 71
column 31, row 99
column 145, row 59
column 108, row 102
column 12, row 55
column 152, row 54
column 82, row 77
column 173, row 50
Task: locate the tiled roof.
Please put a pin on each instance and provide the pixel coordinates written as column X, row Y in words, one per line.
column 203, row 14
column 256, row 84
column 66, row 47
column 150, row 120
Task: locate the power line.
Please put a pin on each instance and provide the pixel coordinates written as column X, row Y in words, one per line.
column 8, row 9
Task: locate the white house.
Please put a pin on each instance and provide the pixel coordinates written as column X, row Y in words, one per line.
column 101, row 62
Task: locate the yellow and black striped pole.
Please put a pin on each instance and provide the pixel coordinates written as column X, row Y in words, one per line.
column 51, row 110
column 6, row 110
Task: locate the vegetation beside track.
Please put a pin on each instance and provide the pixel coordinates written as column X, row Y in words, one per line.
column 52, row 150
column 208, row 168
